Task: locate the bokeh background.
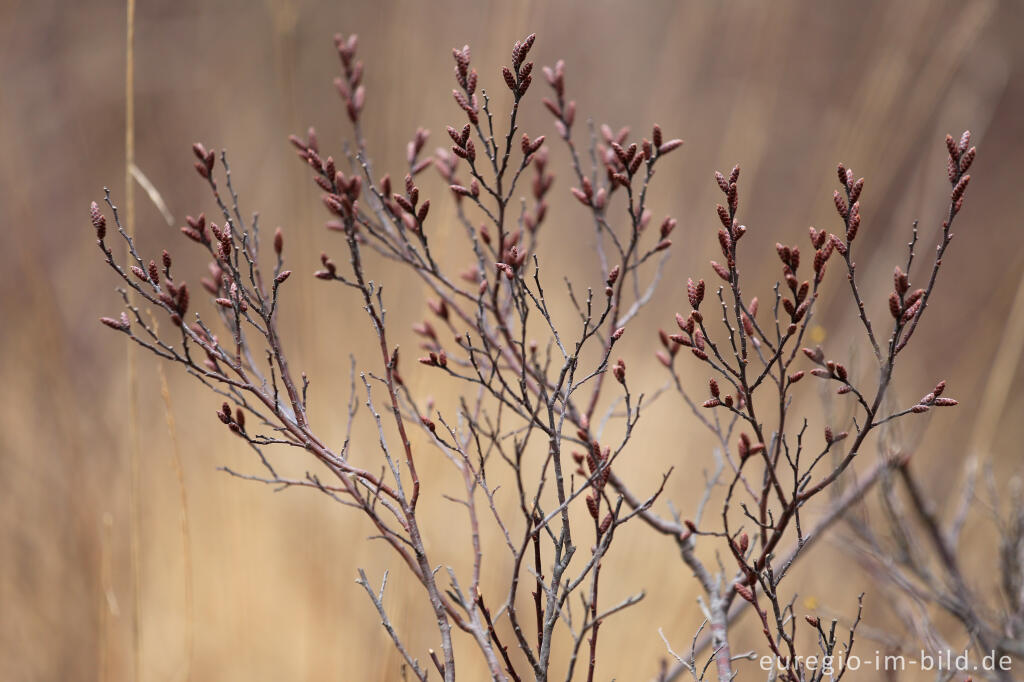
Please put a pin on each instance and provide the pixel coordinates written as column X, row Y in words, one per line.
column 237, row 583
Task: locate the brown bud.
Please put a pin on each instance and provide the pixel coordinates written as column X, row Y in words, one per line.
column 894, row 305
column 744, row 446
column 723, row 216
column 960, row 187
column 911, row 312
column 965, row 139
column 840, row 205
column 120, row 325
column 723, row 184
column 816, row 355
column 669, row 146
column 439, row 308
column 744, row 592
column 725, row 241
column 695, row 292
column 613, row 276
column 581, row 196
column 856, row 189
column 854, row 224
column 721, row 271
column 967, row 159
column 667, row 226
column 99, row 222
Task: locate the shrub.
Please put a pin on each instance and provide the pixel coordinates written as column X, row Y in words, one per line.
column 547, row 403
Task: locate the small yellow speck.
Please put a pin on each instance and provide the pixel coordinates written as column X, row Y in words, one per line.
column 817, row 334
column 811, row 603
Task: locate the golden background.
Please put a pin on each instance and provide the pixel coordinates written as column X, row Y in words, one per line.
column 785, row 88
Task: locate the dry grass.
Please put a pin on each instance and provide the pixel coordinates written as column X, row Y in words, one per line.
column 787, row 88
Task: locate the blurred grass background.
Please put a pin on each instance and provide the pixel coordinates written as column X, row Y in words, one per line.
column 785, row 88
